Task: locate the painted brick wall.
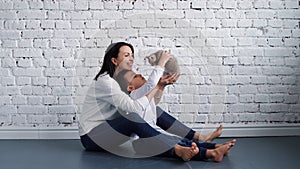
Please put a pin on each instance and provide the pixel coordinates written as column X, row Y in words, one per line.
column 239, row 59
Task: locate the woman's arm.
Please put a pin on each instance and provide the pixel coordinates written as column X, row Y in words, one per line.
column 108, row 92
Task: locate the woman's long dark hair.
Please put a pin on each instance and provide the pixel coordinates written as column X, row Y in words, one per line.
column 112, row 51
column 123, row 82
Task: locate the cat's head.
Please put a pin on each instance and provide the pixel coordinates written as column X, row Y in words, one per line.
column 152, row 59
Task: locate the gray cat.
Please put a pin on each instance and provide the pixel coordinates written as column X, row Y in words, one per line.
column 171, row 66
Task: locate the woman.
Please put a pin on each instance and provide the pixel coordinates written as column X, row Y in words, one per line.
column 109, row 116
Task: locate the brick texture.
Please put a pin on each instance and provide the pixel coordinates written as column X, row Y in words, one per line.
column 240, row 60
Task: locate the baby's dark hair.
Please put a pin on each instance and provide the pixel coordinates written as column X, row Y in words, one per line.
column 123, row 82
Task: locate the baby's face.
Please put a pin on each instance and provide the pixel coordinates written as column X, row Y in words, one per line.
column 135, row 80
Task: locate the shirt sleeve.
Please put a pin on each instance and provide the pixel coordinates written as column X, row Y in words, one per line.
column 149, row 85
column 108, row 90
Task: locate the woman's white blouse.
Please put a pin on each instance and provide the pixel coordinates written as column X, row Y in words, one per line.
column 104, row 100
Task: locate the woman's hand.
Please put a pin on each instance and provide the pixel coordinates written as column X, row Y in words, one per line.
column 165, row 56
column 167, row 80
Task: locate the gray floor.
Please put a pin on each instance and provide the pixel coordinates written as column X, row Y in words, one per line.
column 249, row 153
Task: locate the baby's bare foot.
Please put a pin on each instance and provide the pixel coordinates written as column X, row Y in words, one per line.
column 186, row 153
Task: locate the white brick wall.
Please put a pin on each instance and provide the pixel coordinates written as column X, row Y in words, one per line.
column 240, row 60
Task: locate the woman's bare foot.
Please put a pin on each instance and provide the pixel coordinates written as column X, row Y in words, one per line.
column 186, row 153
column 229, row 143
column 218, row 153
column 210, row 136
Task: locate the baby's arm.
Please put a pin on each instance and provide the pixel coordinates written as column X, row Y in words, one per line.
column 149, row 85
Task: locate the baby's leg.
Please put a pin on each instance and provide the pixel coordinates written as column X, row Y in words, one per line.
column 206, row 145
column 203, row 147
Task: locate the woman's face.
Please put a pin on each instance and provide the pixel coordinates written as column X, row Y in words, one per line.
column 124, row 59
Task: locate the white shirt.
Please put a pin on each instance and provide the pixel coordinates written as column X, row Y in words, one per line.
column 149, row 115
column 102, row 101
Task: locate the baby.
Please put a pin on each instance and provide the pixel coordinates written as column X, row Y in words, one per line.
column 137, row 86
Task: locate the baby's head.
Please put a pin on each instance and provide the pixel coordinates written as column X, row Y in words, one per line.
column 129, row 80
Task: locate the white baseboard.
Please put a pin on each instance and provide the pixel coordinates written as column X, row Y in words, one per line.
column 255, row 130
column 39, row 133
column 228, row 131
